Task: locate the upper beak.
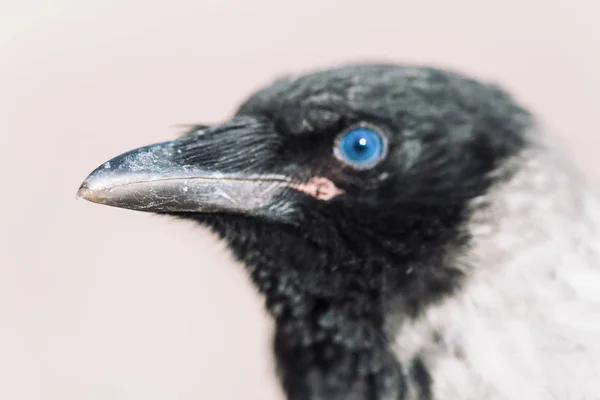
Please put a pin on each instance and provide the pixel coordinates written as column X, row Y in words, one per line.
column 204, row 172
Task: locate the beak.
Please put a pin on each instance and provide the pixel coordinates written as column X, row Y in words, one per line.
column 216, row 169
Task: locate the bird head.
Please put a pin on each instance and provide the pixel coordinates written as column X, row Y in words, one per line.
column 343, row 191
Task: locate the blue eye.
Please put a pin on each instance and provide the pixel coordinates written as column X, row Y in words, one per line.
column 361, row 147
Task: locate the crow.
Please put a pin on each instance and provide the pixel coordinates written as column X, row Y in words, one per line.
column 415, row 232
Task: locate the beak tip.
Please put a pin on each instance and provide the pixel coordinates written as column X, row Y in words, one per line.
column 84, row 192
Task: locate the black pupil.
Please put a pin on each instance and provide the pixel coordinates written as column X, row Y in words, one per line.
column 360, row 145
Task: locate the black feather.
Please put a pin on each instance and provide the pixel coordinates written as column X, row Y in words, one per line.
column 328, row 278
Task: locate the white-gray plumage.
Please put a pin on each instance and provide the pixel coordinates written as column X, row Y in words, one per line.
column 527, row 323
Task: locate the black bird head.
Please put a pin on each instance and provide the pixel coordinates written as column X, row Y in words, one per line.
column 345, row 193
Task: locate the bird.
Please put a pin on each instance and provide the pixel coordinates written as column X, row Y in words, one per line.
column 415, row 233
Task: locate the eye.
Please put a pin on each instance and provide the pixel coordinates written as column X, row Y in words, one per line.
column 362, row 147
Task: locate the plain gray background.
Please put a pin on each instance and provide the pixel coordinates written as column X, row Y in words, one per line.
column 101, row 303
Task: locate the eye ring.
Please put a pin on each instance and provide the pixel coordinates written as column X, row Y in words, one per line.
column 371, row 132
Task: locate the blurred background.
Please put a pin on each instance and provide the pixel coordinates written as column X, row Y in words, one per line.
column 102, row 303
